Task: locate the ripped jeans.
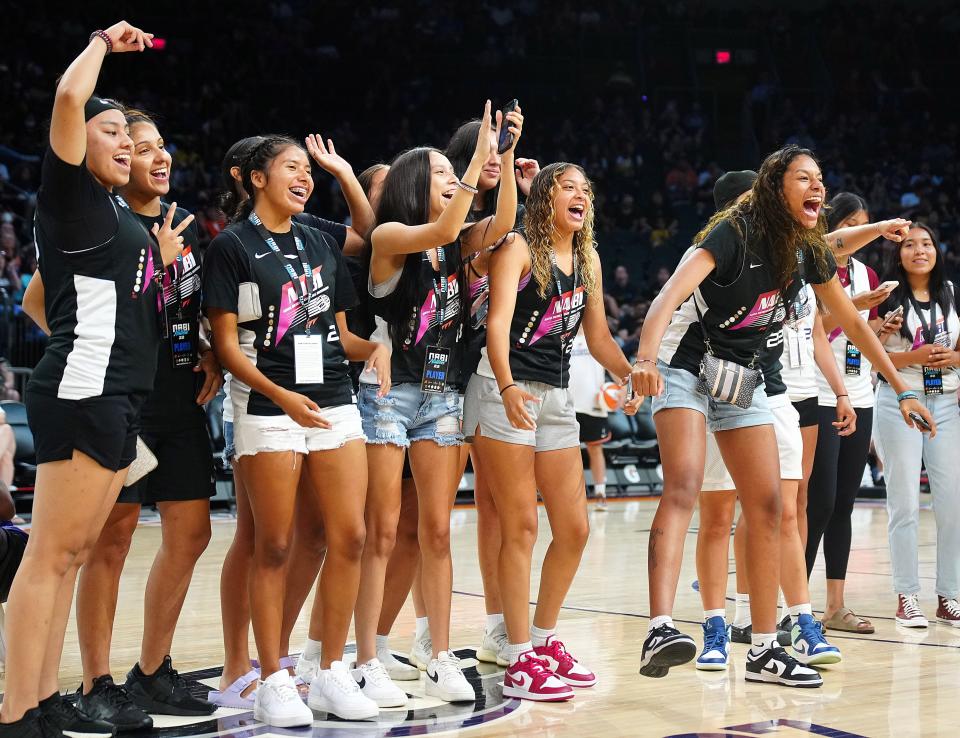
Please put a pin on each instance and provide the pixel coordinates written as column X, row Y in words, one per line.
column 407, row 414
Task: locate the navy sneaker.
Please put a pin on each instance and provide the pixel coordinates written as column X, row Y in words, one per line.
column 809, row 645
column 716, row 645
column 665, row 647
column 777, row 666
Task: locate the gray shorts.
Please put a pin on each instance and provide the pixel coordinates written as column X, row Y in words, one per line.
column 554, row 416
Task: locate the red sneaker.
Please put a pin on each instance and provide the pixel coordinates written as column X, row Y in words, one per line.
column 948, row 611
column 909, row 613
column 530, row 679
column 561, row 663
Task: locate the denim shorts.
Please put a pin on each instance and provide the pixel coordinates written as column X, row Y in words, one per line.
column 256, row 434
column 680, row 390
column 229, row 450
column 406, row 414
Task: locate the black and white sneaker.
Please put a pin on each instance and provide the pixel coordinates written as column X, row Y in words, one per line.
column 665, row 647
column 71, row 721
column 741, row 635
column 777, row 666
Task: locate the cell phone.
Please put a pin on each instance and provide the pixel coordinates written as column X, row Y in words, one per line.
column 888, row 285
column 506, row 138
column 892, row 315
column 918, row 419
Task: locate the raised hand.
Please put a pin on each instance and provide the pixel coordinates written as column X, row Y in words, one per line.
column 525, row 170
column 326, row 156
column 895, row 229
column 482, row 150
column 168, row 236
column 126, row 37
column 514, row 123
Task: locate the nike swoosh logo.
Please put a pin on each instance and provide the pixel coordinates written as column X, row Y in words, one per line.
column 775, row 667
column 754, row 266
column 260, row 256
column 524, row 680
column 362, row 683
column 435, row 678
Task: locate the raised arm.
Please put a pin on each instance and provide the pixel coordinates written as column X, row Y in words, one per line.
column 361, row 214
column 849, row 240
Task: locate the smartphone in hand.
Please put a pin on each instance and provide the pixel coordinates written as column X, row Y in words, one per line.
column 506, row 138
column 918, row 419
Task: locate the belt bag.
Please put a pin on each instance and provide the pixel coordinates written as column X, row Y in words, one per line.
column 728, row 381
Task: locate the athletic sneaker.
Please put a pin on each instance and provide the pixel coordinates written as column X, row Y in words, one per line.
column 334, row 691
column 446, row 680
column 601, row 503
column 33, row 724
column 530, row 678
column 278, row 702
column 909, row 613
column 374, row 682
column 785, row 631
column 716, row 645
column 307, row 669
column 165, row 692
column 562, row 663
column 492, row 647
column 421, row 653
column 665, row 647
column 742, row 634
column 111, row 702
column 65, row 716
column 777, row 666
column 809, row 645
column 398, row 670
column 948, row 611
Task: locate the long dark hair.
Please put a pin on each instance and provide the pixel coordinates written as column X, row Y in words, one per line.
column 842, row 206
column 459, row 151
column 258, row 159
column 405, row 198
column 939, row 290
column 770, row 223
column 229, row 198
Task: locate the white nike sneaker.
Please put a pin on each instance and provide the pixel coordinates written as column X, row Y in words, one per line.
column 397, row 669
column 422, row 650
column 492, row 647
column 446, row 681
column 307, row 669
column 374, row 682
column 334, row 691
column 278, row 703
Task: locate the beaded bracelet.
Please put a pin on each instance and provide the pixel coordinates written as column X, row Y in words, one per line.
column 512, row 384
column 469, row 188
column 102, row 35
column 908, row 395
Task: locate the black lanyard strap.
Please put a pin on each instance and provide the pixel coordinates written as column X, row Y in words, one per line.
column 303, row 294
column 565, row 327
column 929, row 331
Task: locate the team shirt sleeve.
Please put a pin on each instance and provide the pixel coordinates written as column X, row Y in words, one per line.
column 225, row 267
column 337, row 230
column 724, row 244
column 74, row 206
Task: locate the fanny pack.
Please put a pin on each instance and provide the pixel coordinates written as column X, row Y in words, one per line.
column 726, row 380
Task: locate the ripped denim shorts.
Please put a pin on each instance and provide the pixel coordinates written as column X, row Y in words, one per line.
column 406, row 414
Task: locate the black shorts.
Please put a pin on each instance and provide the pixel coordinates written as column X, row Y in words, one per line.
column 13, row 541
column 104, row 428
column 184, row 467
column 808, row 411
column 593, row 429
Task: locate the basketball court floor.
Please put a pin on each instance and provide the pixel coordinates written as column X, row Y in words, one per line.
column 899, row 682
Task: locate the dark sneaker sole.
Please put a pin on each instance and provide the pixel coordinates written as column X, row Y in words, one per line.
column 155, row 707
column 741, row 635
column 672, row 654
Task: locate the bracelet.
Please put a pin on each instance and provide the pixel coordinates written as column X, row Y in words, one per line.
column 839, row 396
column 643, row 361
column 908, row 395
column 512, row 384
column 469, row 188
column 102, row 35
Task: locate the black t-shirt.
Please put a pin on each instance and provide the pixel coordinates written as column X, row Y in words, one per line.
column 100, row 270
column 239, row 263
column 740, row 304
column 172, row 404
column 337, row 230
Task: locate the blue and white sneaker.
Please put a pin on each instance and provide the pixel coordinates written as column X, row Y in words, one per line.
column 716, row 645
column 809, row 645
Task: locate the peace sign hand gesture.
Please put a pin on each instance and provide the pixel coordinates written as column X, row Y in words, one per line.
column 168, row 237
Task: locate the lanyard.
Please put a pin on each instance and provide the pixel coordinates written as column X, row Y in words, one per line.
column 929, row 331
column 177, row 276
column 440, row 288
column 565, row 327
column 850, row 277
column 303, row 294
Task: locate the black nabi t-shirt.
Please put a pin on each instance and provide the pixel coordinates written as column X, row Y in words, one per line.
column 172, row 404
column 337, row 230
column 100, row 270
column 242, row 275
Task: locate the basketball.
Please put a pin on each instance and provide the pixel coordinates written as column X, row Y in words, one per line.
column 609, row 395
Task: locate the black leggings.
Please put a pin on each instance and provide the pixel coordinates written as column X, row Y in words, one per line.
column 834, row 482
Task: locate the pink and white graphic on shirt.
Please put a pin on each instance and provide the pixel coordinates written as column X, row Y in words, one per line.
column 291, row 312
column 942, row 337
column 569, row 304
column 762, row 313
column 428, row 312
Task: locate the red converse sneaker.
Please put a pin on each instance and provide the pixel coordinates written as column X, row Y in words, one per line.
column 561, row 663
column 948, row 611
column 909, row 613
column 530, row 679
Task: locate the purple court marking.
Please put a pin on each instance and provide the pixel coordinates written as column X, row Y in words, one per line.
column 767, row 727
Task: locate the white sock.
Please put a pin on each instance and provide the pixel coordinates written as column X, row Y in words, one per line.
column 600, row 490
column 721, row 613
column 382, row 644
column 311, row 650
column 493, row 621
column 783, row 607
column 539, row 636
column 513, row 651
column 797, row 610
column 660, row 620
column 763, row 641
column 741, row 616
column 423, row 626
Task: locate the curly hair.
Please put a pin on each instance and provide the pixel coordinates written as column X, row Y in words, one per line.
column 774, row 234
column 540, row 229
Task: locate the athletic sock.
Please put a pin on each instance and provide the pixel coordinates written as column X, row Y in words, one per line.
column 513, row 650
column 539, row 636
column 783, row 607
column 311, row 650
column 423, row 625
column 797, row 610
column 600, row 490
column 763, row 641
column 721, row 613
column 493, row 621
column 382, row 643
column 741, row 616
column 660, row 620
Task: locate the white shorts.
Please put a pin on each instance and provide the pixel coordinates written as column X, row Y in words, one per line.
column 786, row 424
column 253, row 434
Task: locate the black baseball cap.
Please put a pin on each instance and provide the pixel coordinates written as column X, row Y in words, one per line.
column 731, row 185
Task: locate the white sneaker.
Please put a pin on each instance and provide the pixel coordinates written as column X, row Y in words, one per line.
column 492, row 647
column 398, row 670
column 278, row 703
column 446, row 681
column 422, row 650
column 334, row 691
column 307, row 669
column 375, row 683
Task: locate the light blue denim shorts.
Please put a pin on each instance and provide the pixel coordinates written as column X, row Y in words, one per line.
column 406, row 414
column 229, row 450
